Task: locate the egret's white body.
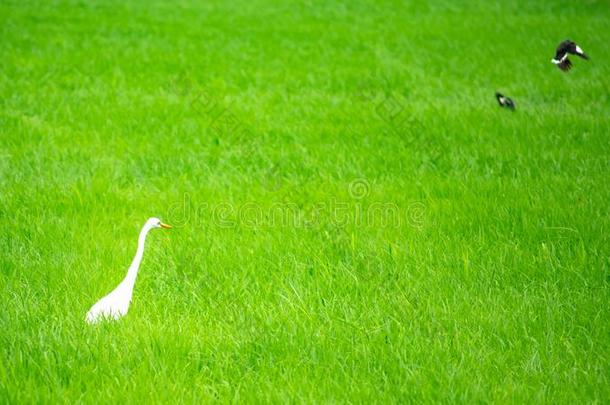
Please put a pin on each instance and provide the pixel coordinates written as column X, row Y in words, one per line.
column 116, row 303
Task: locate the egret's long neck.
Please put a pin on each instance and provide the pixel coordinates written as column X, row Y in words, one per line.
column 132, row 273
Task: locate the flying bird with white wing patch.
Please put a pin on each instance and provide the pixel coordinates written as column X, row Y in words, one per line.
column 505, row 102
column 564, row 49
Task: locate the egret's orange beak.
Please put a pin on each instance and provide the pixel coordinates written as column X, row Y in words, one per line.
column 166, row 226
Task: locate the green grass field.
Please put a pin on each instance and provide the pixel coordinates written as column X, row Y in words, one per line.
column 355, row 217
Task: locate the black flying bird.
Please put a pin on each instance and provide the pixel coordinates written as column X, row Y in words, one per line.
column 505, row 101
column 561, row 56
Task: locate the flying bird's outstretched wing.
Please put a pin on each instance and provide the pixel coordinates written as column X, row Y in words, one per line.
column 576, row 50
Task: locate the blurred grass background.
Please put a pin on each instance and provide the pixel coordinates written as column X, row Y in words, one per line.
column 269, row 133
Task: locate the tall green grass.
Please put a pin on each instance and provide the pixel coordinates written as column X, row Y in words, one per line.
column 356, row 219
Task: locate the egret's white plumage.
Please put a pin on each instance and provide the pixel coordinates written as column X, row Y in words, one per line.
column 116, row 303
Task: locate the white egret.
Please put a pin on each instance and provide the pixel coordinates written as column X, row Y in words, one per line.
column 116, row 303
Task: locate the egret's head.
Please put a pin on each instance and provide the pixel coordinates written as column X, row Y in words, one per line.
column 156, row 223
